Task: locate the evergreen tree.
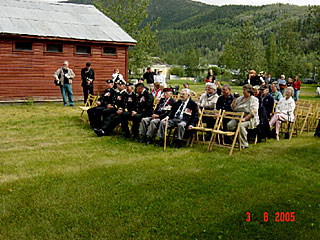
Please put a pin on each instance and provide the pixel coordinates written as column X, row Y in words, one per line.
column 288, row 50
column 244, row 51
column 191, row 61
column 271, row 53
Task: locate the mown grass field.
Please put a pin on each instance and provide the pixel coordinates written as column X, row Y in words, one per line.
column 59, row 181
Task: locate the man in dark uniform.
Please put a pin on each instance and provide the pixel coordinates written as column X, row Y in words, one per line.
column 111, row 115
column 111, row 107
column 87, row 77
column 149, row 125
column 105, row 100
column 183, row 115
column 143, row 108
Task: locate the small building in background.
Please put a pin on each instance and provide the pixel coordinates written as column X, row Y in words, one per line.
column 156, row 66
column 37, row 36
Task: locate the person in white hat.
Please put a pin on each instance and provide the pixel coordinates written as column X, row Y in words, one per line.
column 160, row 79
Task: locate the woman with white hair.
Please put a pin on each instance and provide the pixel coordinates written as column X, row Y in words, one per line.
column 208, row 100
column 284, row 111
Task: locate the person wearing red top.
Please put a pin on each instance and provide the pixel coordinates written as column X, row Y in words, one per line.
column 296, row 86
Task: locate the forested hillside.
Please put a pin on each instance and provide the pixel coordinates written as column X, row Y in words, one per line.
column 190, row 31
column 185, row 23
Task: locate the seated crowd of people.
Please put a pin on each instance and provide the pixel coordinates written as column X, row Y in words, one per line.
column 151, row 110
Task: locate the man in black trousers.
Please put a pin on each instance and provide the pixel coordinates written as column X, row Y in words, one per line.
column 143, row 108
column 111, row 115
column 87, row 77
column 105, row 101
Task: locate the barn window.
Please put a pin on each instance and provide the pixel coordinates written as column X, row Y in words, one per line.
column 83, row 49
column 53, row 47
column 23, row 46
column 109, row 51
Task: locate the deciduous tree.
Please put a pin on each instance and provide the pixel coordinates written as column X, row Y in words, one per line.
column 130, row 14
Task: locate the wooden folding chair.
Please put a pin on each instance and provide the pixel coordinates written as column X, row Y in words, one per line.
column 238, row 116
column 273, row 109
column 195, row 98
column 171, row 133
column 91, row 101
column 302, row 102
column 303, row 116
column 315, row 110
column 155, row 103
column 213, row 115
column 290, row 128
column 316, row 118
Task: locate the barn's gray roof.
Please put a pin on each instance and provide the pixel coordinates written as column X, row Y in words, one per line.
column 62, row 20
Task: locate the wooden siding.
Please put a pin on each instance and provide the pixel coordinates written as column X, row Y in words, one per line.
column 30, row 74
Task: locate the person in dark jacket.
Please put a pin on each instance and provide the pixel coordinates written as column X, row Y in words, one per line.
column 149, row 125
column 317, row 133
column 124, row 109
column 266, row 103
column 183, row 115
column 110, row 115
column 105, row 101
column 253, row 79
column 149, row 76
column 87, row 77
column 224, row 103
column 225, row 100
column 143, row 108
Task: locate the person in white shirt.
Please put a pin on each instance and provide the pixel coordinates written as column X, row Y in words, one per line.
column 284, row 111
column 160, row 79
column 117, row 75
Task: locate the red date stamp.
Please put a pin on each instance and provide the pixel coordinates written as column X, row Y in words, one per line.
column 279, row 217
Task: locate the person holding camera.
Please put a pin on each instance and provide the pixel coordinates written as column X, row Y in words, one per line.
column 63, row 77
column 87, row 77
column 225, row 100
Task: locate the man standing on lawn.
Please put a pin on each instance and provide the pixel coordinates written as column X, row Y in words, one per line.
column 64, row 75
column 87, row 77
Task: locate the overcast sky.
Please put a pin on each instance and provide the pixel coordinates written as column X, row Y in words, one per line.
column 259, row 2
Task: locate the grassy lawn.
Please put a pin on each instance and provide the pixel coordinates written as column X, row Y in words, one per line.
column 59, row 181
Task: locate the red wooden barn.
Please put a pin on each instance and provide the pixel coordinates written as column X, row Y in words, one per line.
column 37, row 36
